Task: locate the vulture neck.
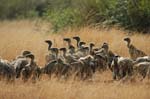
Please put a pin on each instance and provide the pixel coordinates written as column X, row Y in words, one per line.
column 49, row 46
column 128, row 44
column 64, row 53
column 31, row 62
column 56, row 55
column 78, row 41
column 91, row 48
column 69, row 44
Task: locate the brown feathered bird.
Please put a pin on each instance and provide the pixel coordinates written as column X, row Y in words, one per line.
column 133, row 51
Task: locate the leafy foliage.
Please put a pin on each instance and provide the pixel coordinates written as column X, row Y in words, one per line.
column 131, row 14
column 63, row 18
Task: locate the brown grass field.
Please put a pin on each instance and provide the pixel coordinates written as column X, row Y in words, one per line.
column 16, row 36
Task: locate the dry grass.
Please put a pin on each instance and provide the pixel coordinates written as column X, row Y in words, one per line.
column 16, row 36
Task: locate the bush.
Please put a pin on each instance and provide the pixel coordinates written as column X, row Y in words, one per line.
column 139, row 13
column 11, row 9
column 63, row 18
column 130, row 14
column 76, row 13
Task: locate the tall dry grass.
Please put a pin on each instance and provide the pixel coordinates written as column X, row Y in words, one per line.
column 16, row 36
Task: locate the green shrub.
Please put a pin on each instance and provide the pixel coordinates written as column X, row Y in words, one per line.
column 130, row 14
column 11, row 9
column 139, row 13
column 63, row 18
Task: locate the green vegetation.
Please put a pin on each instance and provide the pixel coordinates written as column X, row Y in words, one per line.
column 130, row 14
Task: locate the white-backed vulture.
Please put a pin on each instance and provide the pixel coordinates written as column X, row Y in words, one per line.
column 133, row 51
